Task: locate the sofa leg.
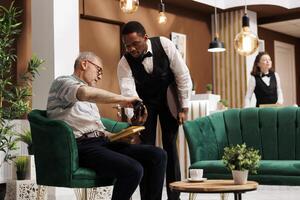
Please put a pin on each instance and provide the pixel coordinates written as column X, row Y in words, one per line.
column 223, row 196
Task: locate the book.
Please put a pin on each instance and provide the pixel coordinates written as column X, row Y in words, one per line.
column 126, row 132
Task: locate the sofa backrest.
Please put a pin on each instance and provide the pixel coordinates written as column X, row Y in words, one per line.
column 274, row 131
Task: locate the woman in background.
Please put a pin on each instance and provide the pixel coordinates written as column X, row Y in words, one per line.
column 264, row 82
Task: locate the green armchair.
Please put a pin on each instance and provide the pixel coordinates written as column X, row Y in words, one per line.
column 56, row 156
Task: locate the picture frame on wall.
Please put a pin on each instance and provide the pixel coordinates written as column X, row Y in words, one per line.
column 179, row 40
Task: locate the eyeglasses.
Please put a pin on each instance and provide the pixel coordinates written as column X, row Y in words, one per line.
column 99, row 68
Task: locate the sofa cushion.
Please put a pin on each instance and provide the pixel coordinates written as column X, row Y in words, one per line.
column 266, row 167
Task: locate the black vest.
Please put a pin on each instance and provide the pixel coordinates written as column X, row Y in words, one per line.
column 152, row 88
column 266, row 94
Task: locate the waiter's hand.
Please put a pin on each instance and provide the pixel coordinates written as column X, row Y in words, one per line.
column 140, row 118
column 182, row 115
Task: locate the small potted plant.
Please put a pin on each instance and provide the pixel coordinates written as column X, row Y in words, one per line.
column 222, row 104
column 21, row 163
column 241, row 159
column 209, row 88
column 26, row 138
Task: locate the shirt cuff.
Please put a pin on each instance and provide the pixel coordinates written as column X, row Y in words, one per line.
column 185, row 103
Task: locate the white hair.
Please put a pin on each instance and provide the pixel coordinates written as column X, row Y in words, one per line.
column 86, row 55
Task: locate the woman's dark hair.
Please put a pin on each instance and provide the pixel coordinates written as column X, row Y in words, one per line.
column 256, row 70
column 133, row 26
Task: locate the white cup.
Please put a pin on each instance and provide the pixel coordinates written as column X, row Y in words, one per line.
column 196, row 174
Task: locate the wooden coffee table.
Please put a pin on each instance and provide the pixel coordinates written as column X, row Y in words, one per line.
column 213, row 186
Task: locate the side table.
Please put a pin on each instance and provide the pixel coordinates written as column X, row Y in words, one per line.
column 213, row 186
column 25, row 190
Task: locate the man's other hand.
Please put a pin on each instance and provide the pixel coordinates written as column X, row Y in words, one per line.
column 182, row 116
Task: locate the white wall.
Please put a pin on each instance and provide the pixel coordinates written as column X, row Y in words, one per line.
column 55, row 38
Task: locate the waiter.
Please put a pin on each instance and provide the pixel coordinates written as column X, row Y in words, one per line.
column 148, row 68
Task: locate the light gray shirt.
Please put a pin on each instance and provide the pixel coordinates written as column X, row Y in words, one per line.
column 82, row 116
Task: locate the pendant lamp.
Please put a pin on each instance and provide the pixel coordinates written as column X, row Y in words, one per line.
column 162, row 18
column 216, row 45
column 245, row 42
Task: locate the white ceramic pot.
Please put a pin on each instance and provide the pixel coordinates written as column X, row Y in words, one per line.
column 240, row 177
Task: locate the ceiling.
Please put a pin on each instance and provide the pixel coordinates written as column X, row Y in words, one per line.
column 276, row 18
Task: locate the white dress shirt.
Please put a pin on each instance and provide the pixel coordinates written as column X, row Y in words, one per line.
column 177, row 65
column 266, row 79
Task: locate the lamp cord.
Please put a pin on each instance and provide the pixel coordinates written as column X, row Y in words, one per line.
column 245, row 7
column 216, row 23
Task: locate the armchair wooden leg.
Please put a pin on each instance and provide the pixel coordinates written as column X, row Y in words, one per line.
column 93, row 193
column 81, row 193
column 41, row 192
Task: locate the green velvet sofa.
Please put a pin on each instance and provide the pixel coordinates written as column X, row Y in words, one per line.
column 56, row 156
column 274, row 131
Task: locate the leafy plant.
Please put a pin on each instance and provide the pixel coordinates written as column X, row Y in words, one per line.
column 14, row 98
column 241, row 157
column 21, row 163
column 27, row 139
column 224, row 102
column 7, row 141
column 209, row 87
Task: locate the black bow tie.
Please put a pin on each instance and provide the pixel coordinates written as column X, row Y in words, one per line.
column 268, row 75
column 148, row 54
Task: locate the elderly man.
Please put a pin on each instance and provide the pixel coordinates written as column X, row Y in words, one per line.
column 73, row 99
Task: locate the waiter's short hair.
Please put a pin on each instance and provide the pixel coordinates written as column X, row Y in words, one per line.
column 133, row 26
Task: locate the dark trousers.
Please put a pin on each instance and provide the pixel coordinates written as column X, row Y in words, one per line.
column 131, row 165
column 169, row 128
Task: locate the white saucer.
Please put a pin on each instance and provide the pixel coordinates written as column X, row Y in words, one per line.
column 197, row 180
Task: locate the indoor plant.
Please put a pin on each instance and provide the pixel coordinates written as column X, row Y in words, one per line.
column 14, row 98
column 21, row 163
column 241, row 159
column 222, row 104
column 26, row 138
column 209, row 88
column 14, row 95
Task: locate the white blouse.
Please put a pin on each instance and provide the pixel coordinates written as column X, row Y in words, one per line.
column 266, row 79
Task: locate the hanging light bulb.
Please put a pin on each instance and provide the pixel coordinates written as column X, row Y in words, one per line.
column 162, row 18
column 129, row 6
column 216, row 45
column 245, row 42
